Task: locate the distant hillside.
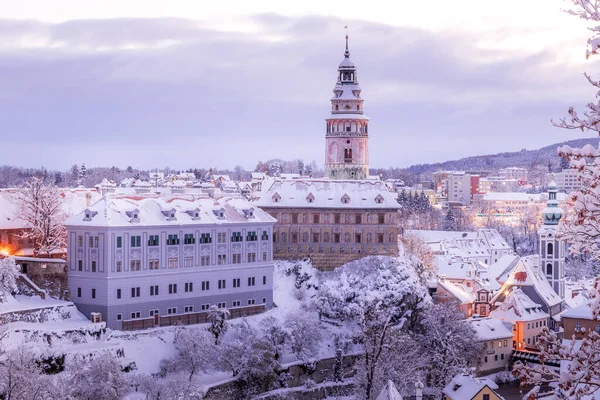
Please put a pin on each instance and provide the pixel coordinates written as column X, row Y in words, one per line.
column 493, row 162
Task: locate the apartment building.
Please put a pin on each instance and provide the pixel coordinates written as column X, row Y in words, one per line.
column 146, row 259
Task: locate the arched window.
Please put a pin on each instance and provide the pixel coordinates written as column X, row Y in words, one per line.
column 549, row 269
column 347, row 237
column 337, row 107
column 550, row 249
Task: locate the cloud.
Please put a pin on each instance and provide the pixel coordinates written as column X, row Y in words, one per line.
column 175, row 92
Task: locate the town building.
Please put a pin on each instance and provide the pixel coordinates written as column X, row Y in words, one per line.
column 518, row 173
column 497, row 184
column 579, row 322
column 347, row 128
column 552, row 249
column 526, row 316
column 141, row 260
column 332, row 222
column 567, row 180
column 465, row 387
column 459, row 188
column 497, row 339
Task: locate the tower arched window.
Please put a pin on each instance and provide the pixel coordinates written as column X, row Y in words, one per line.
column 337, row 107
column 550, row 249
column 549, row 269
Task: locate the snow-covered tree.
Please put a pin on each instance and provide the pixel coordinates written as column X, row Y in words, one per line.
column 9, row 271
column 196, row 351
column 233, row 351
column 259, row 372
column 450, row 223
column 421, row 254
column 275, row 333
column 40, row 207
column 218, row 322
column 97, row 378
column 449, row 343
column 20, row 375
column 176, row 387
column 304, row 333
column 377, row 295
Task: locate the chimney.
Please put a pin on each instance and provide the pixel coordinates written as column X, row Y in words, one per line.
column 418, row 391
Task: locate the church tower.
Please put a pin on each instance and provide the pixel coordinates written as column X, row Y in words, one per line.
column 347, row 133
column 552, row 249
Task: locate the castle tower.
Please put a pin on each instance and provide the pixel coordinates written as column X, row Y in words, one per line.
column 347, row 135
column 552, row 249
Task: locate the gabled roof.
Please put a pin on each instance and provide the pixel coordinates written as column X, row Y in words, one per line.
column 490, row 328
column 517, row 306
column 464, row 387
column 460, row 292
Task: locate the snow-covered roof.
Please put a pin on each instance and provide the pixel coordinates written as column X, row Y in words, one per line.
column 464, row 387
column 503, row 266
column 156, row 210
column 73, row 202
column 527, row 272
column 490, row 328
column 517, row 306
column 389, row 392
column 456, row 267
column 314, row 193
column 580, row 312
column 460, row 291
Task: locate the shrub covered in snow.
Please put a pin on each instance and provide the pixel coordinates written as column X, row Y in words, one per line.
column 9, row 271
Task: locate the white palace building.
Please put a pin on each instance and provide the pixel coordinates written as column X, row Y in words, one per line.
column 143, row 260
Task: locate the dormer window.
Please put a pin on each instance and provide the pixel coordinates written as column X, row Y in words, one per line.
column 379, row 199
column 249, row 212
column 170, row 214
column 134, row 215
column 89, row 214
column 220, row 213
column 310, row 198
column 276, row 198
column 345, row 199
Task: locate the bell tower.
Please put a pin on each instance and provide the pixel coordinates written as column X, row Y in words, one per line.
column 552, row 249
column 347, row 129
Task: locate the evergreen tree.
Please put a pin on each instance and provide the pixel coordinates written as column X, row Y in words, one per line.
column 402, row 198
column 82, row 172
column 450, row 223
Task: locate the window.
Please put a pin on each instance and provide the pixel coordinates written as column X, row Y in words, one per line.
column 381, row 219
column 549, row 269
column 119, row 317
column 188, row 261
column 597, row 328
column 153, row 240
column 251, row 302
column 119, row 242
column 204, row 260
column 315, row 238
column 188, row 238
column 153, row 263
column 550, row 249
column 91, row 238
column 79, row 241
column 264, row 300
column 135, row 265
column 499, row 343
column 502, row 356
column 528, row 326
column 496, row 357
column 173, row 262
column 505, row 342
column 80, row 265
column 294, row 237
column 188, row 309
column 315, row 218
column 337, row 218
column 251, row 257
column 491, row 345
column 93, row 293
column 172, row 240
column 136, row 241
column 93, row 266
column 380, row 238
column 265, row 236
column 251, row 237
column 96, row 242
column 136, row 314
column 264, row 256
column 236, row 282
column 135, row 292
column 336, row 237
column 205, row 238
column 154, row 290
column 205, row 307
column 222, row 283
column 294, row 218
column 153, row 313
column 118, row 293
column 578, row 327
column 222, row 237
column 236, row 236
column 251, row 281
column 236, row 258
column 235, row 303
column 486, row 396
column 221, row 259
column 326, row 237
column 358, row 219
column 358, row 238
column 172, row 310
column 205, row 285
column 485, row 359
column 264, row 280
column 221, row 305
column 189, row 286
column 119, row 266
column 172, row 288
column 78, row 292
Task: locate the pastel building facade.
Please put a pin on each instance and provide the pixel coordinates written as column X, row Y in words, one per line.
column 151, row 257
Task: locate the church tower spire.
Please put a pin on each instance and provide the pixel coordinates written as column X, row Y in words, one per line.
column 347, row 134
column 552, row 249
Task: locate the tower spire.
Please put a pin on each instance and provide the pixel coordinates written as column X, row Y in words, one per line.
column 347, row 52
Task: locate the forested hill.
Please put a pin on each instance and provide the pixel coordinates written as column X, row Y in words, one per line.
column 492, row 162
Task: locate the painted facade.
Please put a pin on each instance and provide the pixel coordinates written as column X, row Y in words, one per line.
column 149, row 256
